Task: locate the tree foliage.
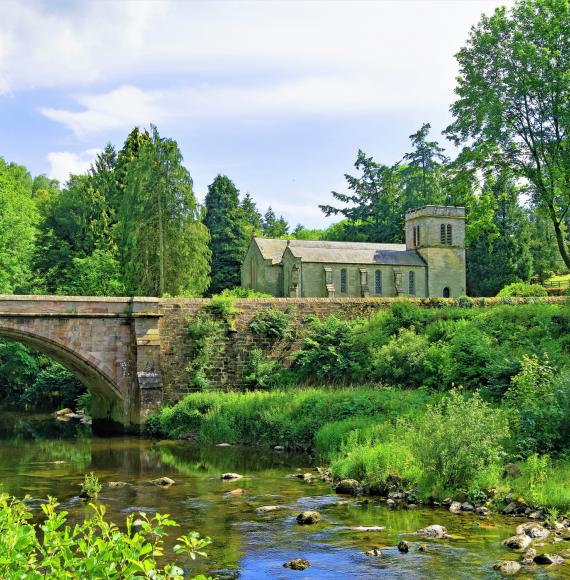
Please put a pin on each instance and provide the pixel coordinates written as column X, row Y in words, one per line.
column 513, row 100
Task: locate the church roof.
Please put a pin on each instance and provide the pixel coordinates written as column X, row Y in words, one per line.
column 340, row 252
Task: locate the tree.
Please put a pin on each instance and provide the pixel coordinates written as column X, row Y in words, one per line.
column 163, row 244
column 273, row 226
column 500, row 253
column 546, row 258
column 253, row 222
column 302, row 233
column 514, row 94
column 374, row 209
column 18, row 219
column 228, row 236
column 423, row 174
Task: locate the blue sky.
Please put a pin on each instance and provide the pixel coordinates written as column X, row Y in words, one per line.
column 277, row 95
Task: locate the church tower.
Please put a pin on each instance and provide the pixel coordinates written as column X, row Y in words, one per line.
column 437, row 233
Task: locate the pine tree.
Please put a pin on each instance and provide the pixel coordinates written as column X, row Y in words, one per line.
column 163, row 245
column 273, row 226
column 224, row 219
column 251, row 216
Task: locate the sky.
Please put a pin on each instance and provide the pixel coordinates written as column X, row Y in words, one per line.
column 279, row 96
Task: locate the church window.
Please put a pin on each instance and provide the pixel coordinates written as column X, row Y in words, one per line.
column 343, row 281
column 415, row 236
column 446, row 292
column 378, row 282
column 448, row 237
column 412, row 283
column 442, row 233
column 418, row 236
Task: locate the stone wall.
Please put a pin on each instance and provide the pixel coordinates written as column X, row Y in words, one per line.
column 235, row 347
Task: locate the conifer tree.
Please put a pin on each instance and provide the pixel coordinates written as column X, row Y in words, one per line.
column 164, row 246
column 224, row 219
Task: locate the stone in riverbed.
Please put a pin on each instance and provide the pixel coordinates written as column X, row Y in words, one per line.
column 519, row 542
column 308, row 518
column 297, row 564
column 533, row 530
column 117, row 484
column 266, row 509
column 548, row 559
column 66, row 411
column 391, row 503
column 434, row 531
column 529, row 555
column 368, row 528
column 375, row 552
column 467, row 507
column 347, row 487
column 228, row 476
column 403, row 547
column 162, row 481
column 455, row 507
column 235, row 492
column 510, row 508
column 481, row 510
column 223, row 445
column 279, row 448
column 507, row 567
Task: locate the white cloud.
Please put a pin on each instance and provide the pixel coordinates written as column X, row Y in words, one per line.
column 65, row 163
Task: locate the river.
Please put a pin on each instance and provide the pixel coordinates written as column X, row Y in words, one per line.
column 40, row 456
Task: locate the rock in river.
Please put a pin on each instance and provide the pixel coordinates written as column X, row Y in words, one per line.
column 507, row 567
column 548, row 559
column 231, row 476
column 403, row 546
column 297, row 564
column 455, row 507
column 266, row 509
column 533, row 530
column 117, row 484
column 162, row 481
column 235, row 492
column 434, row 531
column 307, row 518
column 519, row 542
column 347, row 487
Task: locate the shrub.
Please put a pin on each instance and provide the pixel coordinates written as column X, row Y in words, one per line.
column 274, row 324
column 224, row 307
column 458, row 441
column 522, row 289
column 262, row 373
column 465, row 302
column 94, row 548
column 240, row 292
column 90, row 487
column 329, row 353
column 539, row 405
column 203, row 335
column 402, row 360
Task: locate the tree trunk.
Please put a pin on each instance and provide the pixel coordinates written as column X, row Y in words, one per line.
column 559, row 237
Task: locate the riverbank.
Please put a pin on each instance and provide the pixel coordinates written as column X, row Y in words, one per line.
column 437, row 445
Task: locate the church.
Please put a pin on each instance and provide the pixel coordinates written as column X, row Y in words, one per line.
column 431, row 263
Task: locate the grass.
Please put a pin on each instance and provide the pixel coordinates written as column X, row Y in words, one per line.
column 560, row 278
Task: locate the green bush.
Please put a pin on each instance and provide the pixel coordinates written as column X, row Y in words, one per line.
column 262, row 373
column 459, row 441
column 328, row 352
column 273, row 324
column 538, row 399
column 240, row 292
column 223, row 306
column 402, row 360
column 522, row 289
column 94, row 548
column 203, row 338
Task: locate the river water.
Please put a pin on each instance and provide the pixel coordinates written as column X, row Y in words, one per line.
column 40, row 456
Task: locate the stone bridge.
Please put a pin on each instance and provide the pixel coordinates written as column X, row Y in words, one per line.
column 110, row 344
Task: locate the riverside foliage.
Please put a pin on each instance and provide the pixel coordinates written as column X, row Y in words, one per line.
column 94, row 548
column 471, row 389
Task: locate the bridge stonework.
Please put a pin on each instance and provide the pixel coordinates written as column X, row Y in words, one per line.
column 133, row 353
column 110, row 344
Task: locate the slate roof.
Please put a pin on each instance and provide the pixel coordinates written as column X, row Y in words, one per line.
column 340, row 252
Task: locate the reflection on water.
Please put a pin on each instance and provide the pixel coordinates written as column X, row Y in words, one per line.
column 40, row 457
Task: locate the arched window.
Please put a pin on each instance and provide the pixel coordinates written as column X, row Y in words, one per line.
column 448, row 238
column 442, row 233
column 446, row 292
column 412, row 283
column 378, row 282
column 415, row 236
column 418, row 242
column 253, row 274
column 343, row 281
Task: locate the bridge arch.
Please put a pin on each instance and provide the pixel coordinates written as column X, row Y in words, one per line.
column 108, row 401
